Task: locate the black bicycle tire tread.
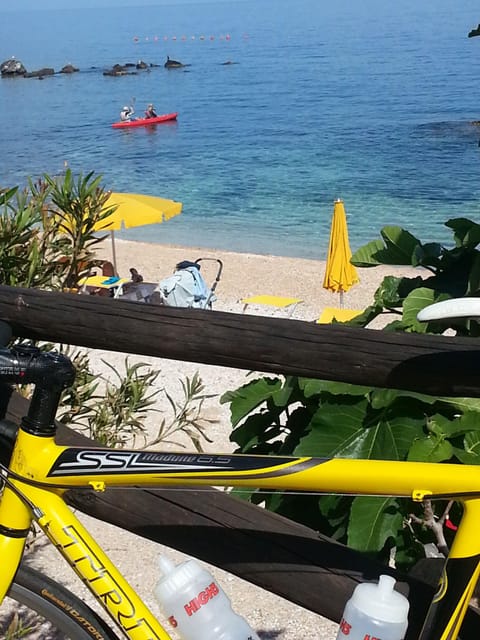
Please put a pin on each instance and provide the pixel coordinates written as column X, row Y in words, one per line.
column 33, row 586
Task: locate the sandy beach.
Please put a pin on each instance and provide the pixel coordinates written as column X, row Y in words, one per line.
column 243, row 275
column 246, row 274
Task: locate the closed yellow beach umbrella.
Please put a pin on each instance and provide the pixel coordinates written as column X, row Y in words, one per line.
column 136, row 210
column 340, row 274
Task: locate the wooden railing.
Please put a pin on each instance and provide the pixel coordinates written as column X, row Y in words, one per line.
column 430, row 364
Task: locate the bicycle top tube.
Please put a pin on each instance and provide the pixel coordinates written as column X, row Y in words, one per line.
column 76, row 466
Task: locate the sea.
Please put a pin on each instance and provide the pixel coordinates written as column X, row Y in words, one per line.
column 284, row 106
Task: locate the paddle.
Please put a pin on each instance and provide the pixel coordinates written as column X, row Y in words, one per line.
column 132, row 105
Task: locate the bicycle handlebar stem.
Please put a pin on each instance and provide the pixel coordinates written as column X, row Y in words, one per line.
column 51, row 373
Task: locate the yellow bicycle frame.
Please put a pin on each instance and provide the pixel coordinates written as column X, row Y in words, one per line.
column 41, row 471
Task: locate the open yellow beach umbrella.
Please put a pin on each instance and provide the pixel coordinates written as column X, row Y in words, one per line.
column 136, row 210
column 340, row 274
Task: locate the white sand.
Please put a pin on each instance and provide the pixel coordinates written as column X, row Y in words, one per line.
column 243, row 275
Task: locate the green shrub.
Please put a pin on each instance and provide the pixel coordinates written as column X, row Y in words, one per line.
column 298, row 416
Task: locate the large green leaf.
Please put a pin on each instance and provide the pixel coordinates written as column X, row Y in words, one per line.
column 401, row 246
column 468, row 422
column 249, row 397
column 472, row 443
column 373, row 521
column 466, row 232
column 459, row 425
column 311, row 387
column 368, row 255
column 387, row 293
column 465, row 456
column 255, row 430
column 413, row 303
column 430, row 449
column 334, row 428
column 401, row 430
column 471, row 452
column 464, row 405
column 282, row 396
column 381, row 398
column 339, row 429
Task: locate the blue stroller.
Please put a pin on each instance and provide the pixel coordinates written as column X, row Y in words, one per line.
column 186, row 287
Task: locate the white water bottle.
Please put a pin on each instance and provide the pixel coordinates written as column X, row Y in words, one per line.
column 375, row 612
column 196, row 606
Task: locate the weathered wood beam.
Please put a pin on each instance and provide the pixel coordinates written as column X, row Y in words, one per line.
column 431, row 364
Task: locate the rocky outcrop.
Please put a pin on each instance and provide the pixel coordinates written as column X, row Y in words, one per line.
column 126, row 69
column 118, row 70
column 173, row 64
column 41, row 73
column 474, row 32
column 12, row 68
column 68, row 68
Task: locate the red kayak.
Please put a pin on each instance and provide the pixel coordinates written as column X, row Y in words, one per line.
column 142, row 122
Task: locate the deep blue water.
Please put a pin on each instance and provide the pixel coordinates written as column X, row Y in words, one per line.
column 370, row 101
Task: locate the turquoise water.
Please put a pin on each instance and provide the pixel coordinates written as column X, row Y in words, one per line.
column 370, row 102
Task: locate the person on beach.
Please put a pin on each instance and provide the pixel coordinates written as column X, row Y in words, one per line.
column 135, row 276
column 126, row 114
column 150, row 111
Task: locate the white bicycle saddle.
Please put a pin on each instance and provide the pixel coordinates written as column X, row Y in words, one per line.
column 454, row 308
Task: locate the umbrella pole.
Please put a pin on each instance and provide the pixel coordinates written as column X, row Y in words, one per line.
column 114, row 255
column 341, row 299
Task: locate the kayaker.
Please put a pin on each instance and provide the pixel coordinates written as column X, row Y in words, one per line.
column 150, row 111
column 126, row 114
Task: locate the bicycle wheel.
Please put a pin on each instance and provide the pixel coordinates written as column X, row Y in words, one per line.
column 37, row 607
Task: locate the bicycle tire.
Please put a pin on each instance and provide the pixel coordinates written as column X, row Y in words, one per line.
column 62, row 614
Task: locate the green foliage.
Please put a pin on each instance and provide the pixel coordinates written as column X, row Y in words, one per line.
column 47, row 231
column 25, row 256
column 298, row 416
column 110, row 412
column 186, row 416
column 114, row 412
column 77, row 209
column 451, row 272
column 18, row 628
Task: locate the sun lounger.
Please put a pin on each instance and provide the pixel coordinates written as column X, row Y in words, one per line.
column 100, row 282
column 280, row 302
column 329, row 314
